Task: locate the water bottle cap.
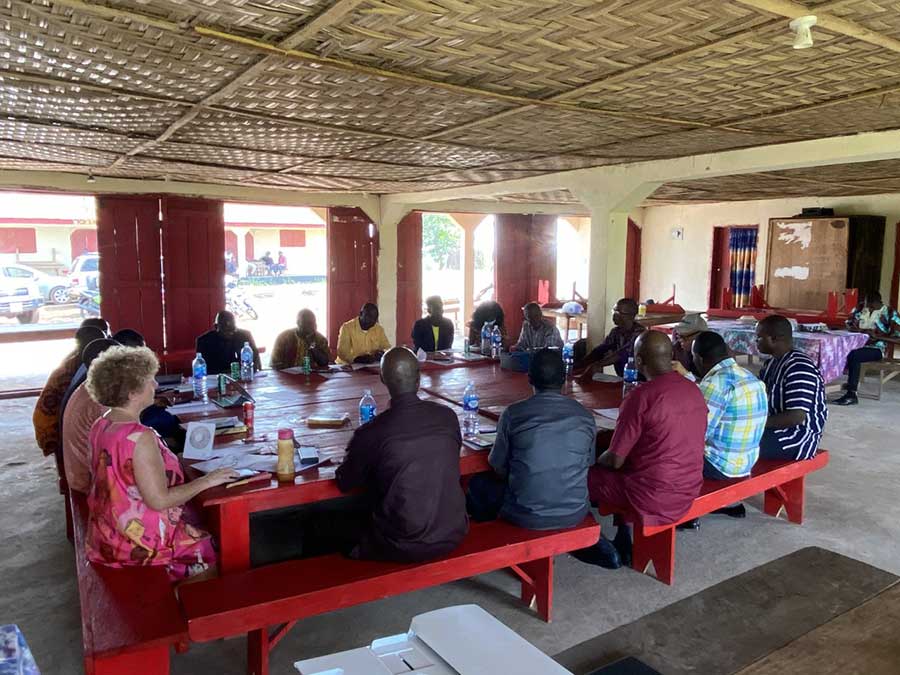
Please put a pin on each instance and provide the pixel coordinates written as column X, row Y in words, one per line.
column 367, row 392
column 246, row 344
column 285, row 434
column 199, row 355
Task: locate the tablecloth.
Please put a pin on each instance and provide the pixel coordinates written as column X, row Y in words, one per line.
column 827, row 349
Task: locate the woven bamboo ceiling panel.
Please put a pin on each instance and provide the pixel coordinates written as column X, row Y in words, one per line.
column 411, row 95
column 864, row 178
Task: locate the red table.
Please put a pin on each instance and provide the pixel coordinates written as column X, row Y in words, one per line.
column 284, row 400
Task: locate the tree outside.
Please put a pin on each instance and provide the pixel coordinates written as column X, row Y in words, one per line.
column 441, row 241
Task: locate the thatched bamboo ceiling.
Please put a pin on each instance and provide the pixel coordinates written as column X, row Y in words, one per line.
column 405, row 95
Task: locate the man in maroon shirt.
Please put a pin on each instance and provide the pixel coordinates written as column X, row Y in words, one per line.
column 654, row 465
column 407, row 460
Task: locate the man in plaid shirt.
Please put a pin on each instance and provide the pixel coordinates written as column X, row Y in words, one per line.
column 738, row 408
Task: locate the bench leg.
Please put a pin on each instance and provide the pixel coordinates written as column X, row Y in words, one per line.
column 788, row 497
column 153, row 661
column 537, row 583
column 258, row 652
column 658, row 549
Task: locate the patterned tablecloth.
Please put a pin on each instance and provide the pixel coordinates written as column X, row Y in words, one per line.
column 827, row 349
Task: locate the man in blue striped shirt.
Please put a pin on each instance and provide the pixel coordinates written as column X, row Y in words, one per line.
column 797, row 411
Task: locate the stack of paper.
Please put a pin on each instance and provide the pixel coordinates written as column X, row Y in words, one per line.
column 328, row 421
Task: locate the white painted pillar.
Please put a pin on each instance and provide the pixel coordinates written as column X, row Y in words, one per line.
column 390, row 218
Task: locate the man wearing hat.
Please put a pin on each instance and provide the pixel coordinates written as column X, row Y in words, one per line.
column 682, row 339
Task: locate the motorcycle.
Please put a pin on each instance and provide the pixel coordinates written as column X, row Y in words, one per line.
column 236, row 302
column 89, row 303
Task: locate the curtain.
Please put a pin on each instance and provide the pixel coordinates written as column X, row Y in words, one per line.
column 742, row 247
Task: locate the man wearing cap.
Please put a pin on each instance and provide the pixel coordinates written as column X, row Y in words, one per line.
column 682, row 339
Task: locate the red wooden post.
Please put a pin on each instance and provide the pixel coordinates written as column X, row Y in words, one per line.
column 727, row 299
column 788, row 496
column 851, row 299
column 658, row 549
column 258, row 652
column 541, row 587
column 409, row 275
column 233, row 522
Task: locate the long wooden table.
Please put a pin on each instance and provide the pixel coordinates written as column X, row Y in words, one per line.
column 284, row 400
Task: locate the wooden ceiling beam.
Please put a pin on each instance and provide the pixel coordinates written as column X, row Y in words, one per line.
column 335, row 12
column 825, row 21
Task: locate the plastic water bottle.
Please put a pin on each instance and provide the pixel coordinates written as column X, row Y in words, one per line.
column 486, row 337
column 568, row 355
column 496, row 342
column 470, row 411
column 367, row 407
column 199, row 370
column 246, row 363
column 631, row 377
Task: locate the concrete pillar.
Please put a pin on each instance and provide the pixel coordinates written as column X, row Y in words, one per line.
column 469, row 222
column 390, row 217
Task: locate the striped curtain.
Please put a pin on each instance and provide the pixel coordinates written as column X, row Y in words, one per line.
column 742, row 247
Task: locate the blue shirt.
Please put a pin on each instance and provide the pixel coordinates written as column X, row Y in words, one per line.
column 544, row 447
column 738, row 409
column 794, row 383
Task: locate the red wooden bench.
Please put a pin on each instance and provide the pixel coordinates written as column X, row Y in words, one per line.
column 782, row 483
column 129, row 617
column 278, row 595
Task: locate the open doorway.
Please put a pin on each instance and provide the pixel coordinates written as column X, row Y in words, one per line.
column 442, row 264
column 276, row 265
column 573, row 239
column 484, row 241
column 49, row 281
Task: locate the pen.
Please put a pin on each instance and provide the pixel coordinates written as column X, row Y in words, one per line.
column 251, row 479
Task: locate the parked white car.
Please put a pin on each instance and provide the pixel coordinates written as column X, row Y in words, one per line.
column 53, row 288
column 84, row 275
column 20, row 298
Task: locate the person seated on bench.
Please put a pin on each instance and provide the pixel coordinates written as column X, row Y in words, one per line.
column 407, row 459
column 294, row 344
column 486, row 312
column 537, row 332
column 619, row 345
column 654, row 465
column 434, row 332
column 47, row 411
column 80, row 414
column 541, row 455
column 738, row 409
column 878, row 321
column 138, row 495
column 222, row 346
column 362, row 339
column 797, row 411
column 683, row 336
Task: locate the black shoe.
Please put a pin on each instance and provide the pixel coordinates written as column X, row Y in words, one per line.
column 732, row 511
column 623, row 546
column 693, row 524
column 850, row 398
column 603, row 554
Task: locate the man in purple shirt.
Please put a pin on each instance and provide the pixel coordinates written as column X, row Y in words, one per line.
column 618, row 346
column 654, row 465
column 407, row 460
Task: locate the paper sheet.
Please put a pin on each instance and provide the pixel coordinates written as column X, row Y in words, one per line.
column 604, row 377
column 192, row 407
column 360, row 366
column 609, row 413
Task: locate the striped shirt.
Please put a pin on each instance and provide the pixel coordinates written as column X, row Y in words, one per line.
column 738, row 409
column 794, row 383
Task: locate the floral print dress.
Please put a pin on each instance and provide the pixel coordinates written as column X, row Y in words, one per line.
column 123, row 530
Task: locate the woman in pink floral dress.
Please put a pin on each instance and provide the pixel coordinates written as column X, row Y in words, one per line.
column 138, row 494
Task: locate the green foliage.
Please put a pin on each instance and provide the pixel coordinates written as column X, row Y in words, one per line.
column 441, row 240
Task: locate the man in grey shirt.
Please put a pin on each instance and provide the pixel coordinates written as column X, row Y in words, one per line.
column 540, row 458
column 537, row 332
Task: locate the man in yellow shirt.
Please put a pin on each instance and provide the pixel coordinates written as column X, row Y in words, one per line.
column 362, row 340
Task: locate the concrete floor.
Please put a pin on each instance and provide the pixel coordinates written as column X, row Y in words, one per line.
column 851, row 508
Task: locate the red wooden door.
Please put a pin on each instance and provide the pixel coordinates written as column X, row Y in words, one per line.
column 83, row 241
column 193, row 237
column 409, row 275
column 513, row 249
column 130, row 271
column 633, row 262
column 249, row 253
column 231, row 245
column 352, row 273
column 720, row 272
